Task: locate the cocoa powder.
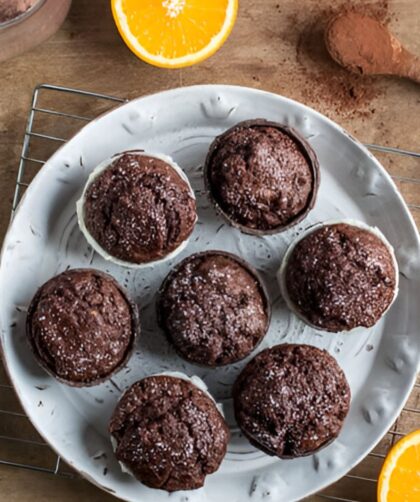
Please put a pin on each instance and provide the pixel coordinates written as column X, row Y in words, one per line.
column 323, row 83
column 359, row 43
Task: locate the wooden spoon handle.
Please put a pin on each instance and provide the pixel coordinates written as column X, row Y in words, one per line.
column 410, row 67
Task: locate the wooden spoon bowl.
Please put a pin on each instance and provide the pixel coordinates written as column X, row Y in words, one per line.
column 364, row 45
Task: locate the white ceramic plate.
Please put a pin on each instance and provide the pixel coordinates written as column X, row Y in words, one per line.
column 44, row 239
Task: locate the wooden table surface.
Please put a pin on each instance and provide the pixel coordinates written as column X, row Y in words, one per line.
column 274, row 46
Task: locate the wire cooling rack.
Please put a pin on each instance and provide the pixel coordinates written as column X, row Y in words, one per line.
column 55, row 115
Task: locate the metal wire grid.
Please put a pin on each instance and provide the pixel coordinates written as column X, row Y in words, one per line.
column 111, row 101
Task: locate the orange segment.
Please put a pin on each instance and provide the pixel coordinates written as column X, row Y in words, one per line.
column 174, row 33
column 399, row 480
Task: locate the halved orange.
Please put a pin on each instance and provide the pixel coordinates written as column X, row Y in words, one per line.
column 399, row 480
column 174, row 33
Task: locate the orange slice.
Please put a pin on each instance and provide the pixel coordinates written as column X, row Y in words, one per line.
column 399, row 480
column 174, row 33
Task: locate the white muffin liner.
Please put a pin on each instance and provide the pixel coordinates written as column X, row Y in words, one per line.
column 281, row 274
column 92, row 241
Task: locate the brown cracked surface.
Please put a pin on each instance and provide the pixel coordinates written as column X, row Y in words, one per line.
column 260, row 177
column 139, row 209
column 213, row 309
column 340, row 277
column 291, row 400
column 169, row 433
column 81, row 326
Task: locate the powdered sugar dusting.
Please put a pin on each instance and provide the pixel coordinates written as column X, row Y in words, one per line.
column 81, row 326
column 213, row 309
column 169, row 433
column 341, row 276
column 260, row 176
column 137, row 209
column 291, row 399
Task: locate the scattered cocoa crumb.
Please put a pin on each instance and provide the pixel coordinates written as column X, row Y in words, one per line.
column 323, row 83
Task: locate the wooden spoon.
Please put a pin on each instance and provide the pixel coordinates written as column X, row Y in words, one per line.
column 363, row 45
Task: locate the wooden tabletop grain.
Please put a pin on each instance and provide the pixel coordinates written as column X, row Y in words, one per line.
column 264, row 51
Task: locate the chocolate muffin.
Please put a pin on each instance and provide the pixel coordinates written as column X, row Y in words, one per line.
column 168, row 433
column 82, row 326
column 291, row 400
column 340, row 276
column 214, row 308
column 262, row 176
column 138, row 209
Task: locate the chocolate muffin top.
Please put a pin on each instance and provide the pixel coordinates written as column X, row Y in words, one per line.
column 262, row 176
column 341, row 276
column 139, row 209
column 291, row 400
column 81, row 326
column 169, row 433
column 213, row 308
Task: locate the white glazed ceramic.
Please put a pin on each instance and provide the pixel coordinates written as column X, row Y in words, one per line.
column 94, row 243
column 281, row 274
column 44, row 239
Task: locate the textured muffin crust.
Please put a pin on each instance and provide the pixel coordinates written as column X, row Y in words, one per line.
column 213, row 308
column 169, row 433
column 139, row 209
column 291, row 400
column 82, row 326
column 262, row 176
column 340, row 277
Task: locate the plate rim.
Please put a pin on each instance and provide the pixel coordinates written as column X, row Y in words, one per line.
column 342, row 471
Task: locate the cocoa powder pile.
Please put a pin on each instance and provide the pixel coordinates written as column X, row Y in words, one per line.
column 360, row 43
column 323, row 83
